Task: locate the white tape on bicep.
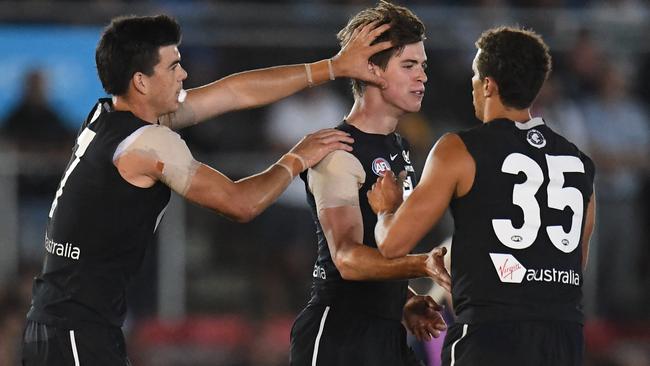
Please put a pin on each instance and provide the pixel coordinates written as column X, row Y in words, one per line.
column 336, row 180
column 167, row 147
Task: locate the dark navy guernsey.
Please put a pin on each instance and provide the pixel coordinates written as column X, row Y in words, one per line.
column 517, row 245
column 98, row 230
column 376, row 153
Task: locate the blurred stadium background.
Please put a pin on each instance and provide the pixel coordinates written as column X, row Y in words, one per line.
column 216, row 293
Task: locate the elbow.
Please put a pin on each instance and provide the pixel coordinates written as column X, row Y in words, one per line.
column 245, row 215
column 391, row 252
column 241, row 212
column 242, row 218
column 345, row 267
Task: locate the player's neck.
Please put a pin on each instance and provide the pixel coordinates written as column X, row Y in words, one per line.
column 497, row 110
column 138, row 108
column 372, row 117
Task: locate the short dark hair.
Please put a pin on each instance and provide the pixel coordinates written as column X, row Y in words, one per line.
column 518, row 60
column 406, row 28
column 130, row 44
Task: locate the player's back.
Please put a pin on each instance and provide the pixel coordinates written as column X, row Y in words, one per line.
column 516, row 252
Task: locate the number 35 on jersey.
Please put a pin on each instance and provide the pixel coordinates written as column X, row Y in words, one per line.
column 559, row 197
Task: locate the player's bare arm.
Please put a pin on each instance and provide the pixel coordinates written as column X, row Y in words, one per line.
column 588, row 229
column 448, row 173
column 335, row 184
column 343, row 228
column 264, row 86
column 163, row 156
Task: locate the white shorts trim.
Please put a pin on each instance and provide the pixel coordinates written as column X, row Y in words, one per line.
column 453, row 346
column 320, row 333
column 73, row 343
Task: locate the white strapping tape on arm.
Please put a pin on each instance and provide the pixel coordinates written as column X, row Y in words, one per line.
column 166, row 146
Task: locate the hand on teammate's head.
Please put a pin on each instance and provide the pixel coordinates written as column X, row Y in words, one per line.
column 352, row 60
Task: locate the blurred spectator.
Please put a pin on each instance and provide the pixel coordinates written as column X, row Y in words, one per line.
column 35, row 130
column 290, row 119
column 561, row 112
column 583, row 66
column 33, row 125
column 619, row 143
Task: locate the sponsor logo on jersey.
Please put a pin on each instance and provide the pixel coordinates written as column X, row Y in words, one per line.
column 393, row 157
column 569, row 277
column 510, row 270
column 405, row 155
column 319, row 272
column 380, row 166
column 535, row 138
column 66, row 250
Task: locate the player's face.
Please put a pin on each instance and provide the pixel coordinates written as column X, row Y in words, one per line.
column 405, row 74
column 167, row 80
column 478, row 97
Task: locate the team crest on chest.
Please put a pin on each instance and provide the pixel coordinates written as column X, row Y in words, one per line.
column 535, row 138
column 380, row 166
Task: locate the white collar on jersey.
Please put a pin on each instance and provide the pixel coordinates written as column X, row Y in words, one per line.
column 530, row 124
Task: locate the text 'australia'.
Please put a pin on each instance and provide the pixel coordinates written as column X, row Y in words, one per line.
column 66, row 250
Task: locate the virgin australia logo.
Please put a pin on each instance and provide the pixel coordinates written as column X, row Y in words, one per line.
column 508, row 268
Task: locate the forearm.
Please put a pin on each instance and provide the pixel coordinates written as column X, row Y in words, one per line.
column 259, row 191
column 362, row 263
column 242, row 200
column 388, row 248
column 265, row 86
column 255, row 88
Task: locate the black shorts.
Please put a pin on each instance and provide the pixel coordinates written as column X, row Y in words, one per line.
column 530, row 343
column 56, row 346
column 323, row 336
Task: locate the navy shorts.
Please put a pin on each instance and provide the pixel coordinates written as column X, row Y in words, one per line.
column 325, row 336
column 531, row 343
column 55, row 346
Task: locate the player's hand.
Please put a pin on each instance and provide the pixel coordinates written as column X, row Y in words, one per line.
column 386, row 194
column 435, row 267
column 315, row 146
column 352, row 59
column 422, row 318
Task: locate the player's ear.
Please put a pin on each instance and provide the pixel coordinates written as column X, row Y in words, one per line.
column 140, row 82
column 374, row 69
column 490, row 87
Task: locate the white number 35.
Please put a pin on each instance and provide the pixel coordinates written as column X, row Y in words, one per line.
column 559, row 197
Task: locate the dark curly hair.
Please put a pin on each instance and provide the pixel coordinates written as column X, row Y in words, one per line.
column 130, row 44
column 406, row 28
column 518, row 60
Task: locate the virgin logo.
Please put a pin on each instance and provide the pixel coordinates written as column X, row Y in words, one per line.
column 506, row 270
column 508, row 267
